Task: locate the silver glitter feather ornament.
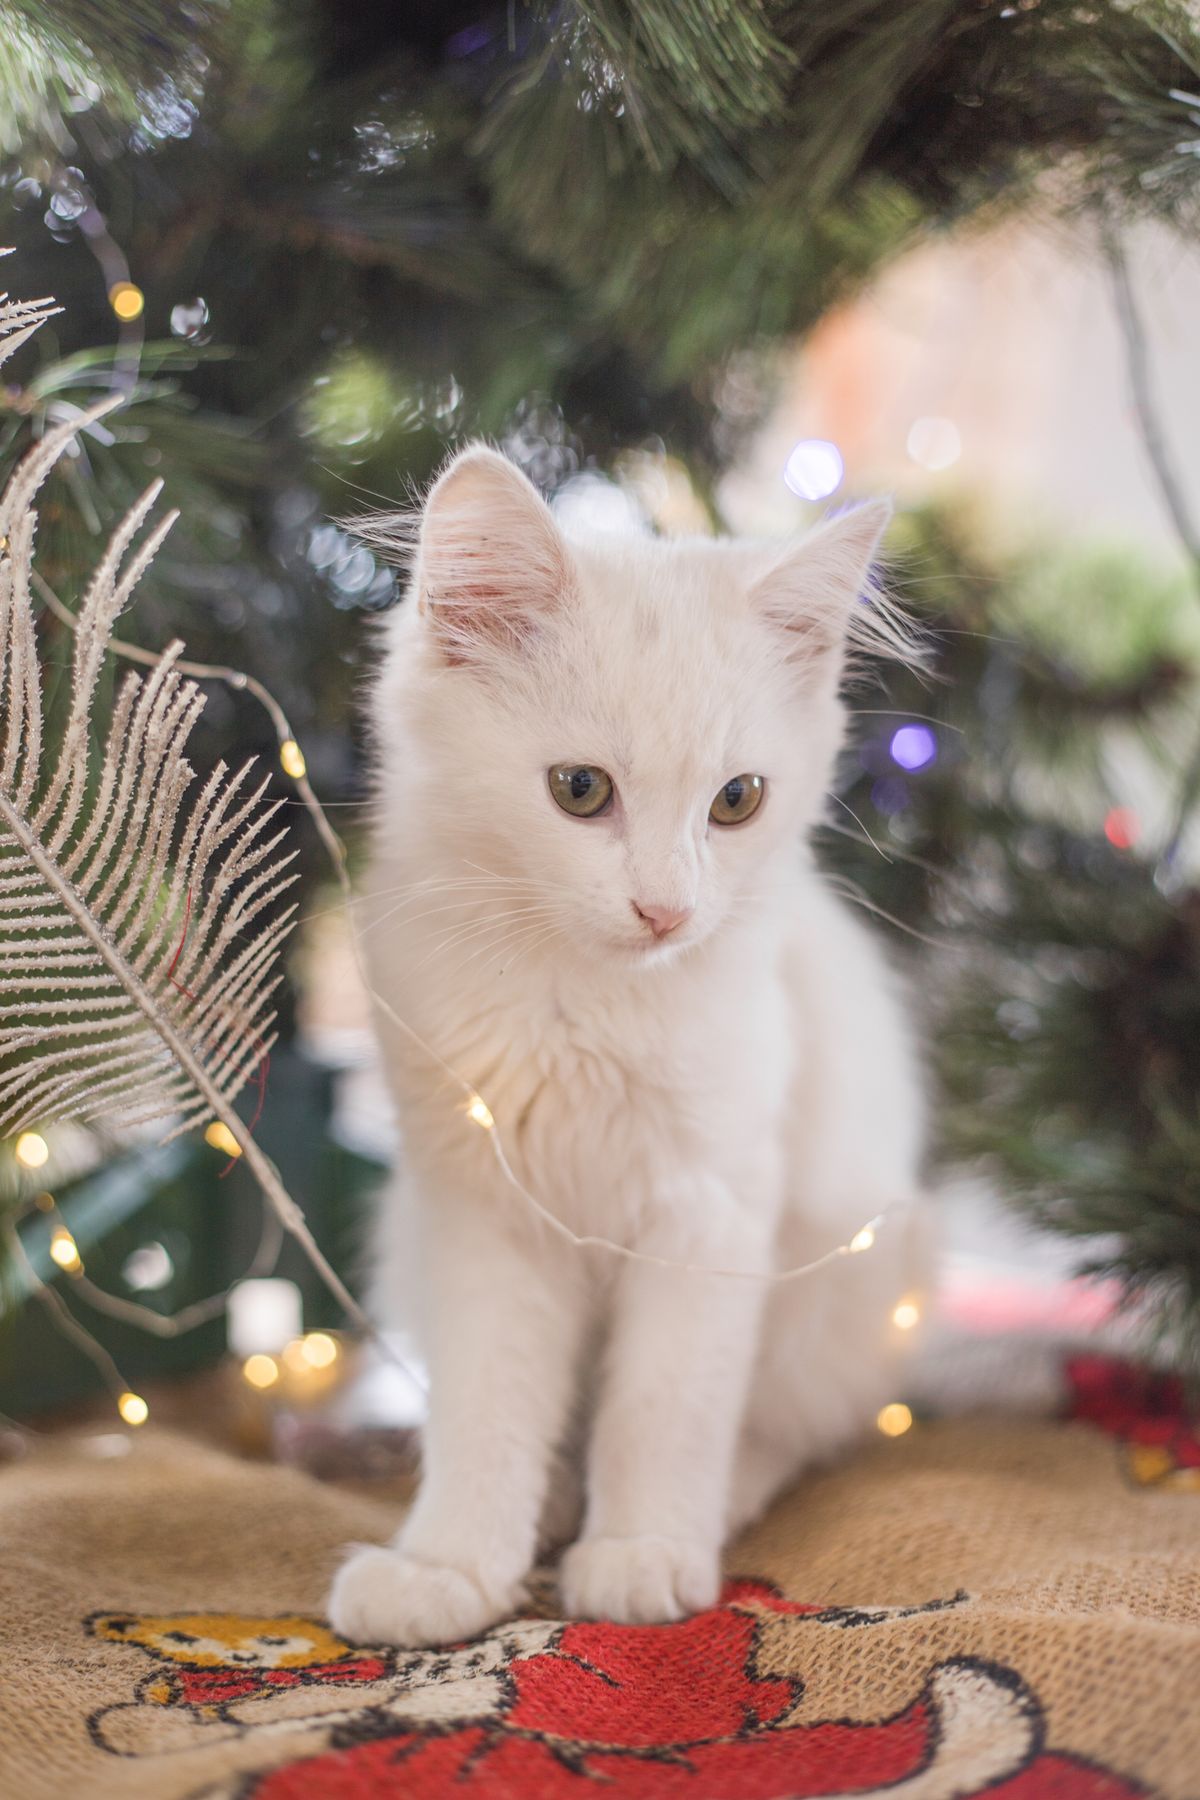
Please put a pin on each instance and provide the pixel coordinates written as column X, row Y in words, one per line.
column 139, row 926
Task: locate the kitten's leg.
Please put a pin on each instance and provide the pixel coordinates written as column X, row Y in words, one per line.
column 763, row 1468
column 829, row 1354
column 504, row 1329
column 668, row 1418
column 562, row 1509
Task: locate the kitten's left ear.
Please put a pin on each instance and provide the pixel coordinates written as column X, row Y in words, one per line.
column 818, row 591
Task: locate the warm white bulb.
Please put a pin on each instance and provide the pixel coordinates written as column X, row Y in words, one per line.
column 319, row 1349
column 906, row 1315
column 31, row 1150
column 894, row 1419
column 128, row 302
column 261, row 1371
column 221, row 1138
column 862, row 1240
column 479, row 1110
column 65, row 1251
column 133, row 1408
column 291, row 758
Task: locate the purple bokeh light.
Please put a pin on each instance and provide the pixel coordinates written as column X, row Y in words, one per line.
column 815, row 469
column 890, row 796
column 913, row 747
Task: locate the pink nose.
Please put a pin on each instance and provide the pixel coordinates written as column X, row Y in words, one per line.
column 662, row 919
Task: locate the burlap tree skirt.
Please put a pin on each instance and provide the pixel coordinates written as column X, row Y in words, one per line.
column 976, row 1607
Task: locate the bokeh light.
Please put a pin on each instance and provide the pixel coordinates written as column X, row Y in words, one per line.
column 890, row 796
column 913, row 747
column 314, row 1351
column 189, row 318
column 221, row 1138
column 1122, row 827
column 591, row 502
column 934, row 443
column 133, row 1408
column 65, row 1252
column 261, row 1371
column 291, row 758
column 148, row 1268
column 319, row 1349
column 359, row 397
column 31, row 1150
column 127, row 300
column 814, row 470
column 894, row 1419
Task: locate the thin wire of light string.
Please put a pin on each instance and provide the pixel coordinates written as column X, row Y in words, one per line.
column 197, row 1312
column 475, row 1105
column 63, row 1317
column 266, row 1255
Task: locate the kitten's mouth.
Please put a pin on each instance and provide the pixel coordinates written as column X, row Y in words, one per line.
column 647, row 950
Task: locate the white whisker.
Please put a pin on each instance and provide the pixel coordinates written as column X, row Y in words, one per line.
column 849, row 809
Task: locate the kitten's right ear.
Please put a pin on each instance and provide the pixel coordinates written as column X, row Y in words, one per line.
column 491, row 561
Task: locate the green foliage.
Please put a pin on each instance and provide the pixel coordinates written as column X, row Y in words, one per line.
column 1104, row 611
column 1069, row 1059
column 57, row 59
column 1062, row 970
column 753, row 201
column 663, row 183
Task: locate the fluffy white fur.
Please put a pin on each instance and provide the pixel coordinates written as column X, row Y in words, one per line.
column 741, row 1093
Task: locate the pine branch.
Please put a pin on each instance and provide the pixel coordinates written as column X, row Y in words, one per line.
column 51, row 51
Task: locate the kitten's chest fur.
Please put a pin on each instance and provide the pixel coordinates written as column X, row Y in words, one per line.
column 616, row 1085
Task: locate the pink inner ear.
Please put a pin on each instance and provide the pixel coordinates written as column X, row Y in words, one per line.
column 813, row 592
column 492, row 561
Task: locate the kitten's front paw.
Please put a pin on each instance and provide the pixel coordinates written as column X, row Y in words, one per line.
column 385, row 1597
column 638, row 1580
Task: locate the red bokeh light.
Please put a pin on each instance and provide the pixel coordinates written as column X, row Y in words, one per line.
column 1121, row 828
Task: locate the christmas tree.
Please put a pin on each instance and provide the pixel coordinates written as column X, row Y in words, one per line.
column 316, row 246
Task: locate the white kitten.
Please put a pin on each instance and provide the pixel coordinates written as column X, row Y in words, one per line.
column 599, row 759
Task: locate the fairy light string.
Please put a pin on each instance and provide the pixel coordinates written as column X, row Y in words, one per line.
column 280, row 1211
column 474, row 1106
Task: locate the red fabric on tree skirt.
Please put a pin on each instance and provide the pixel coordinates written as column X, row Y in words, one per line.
column 681, row 1712
column 1147, row 1411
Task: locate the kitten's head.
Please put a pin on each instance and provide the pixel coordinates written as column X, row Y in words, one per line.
column 626, row 731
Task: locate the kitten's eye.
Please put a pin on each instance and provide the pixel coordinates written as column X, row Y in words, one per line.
column 580, row 789
column 737, row 800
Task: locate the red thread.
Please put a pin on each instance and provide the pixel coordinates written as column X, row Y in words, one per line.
column 187, row 914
